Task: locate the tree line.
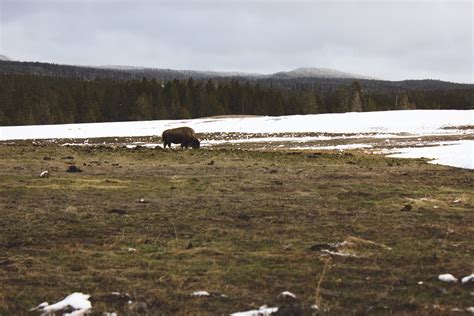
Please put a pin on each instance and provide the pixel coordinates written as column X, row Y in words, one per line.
column 29, row 99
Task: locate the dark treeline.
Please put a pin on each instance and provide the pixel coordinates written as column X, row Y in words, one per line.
column 29, row 99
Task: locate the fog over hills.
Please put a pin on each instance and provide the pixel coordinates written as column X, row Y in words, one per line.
column 5, row 58
column 311, row 72
column 8, row 65
column 303, row 72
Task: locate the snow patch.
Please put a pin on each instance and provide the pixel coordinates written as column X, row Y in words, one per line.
column 447, row 278
column 262, row 311
column 287, row 294
column 339, row 253
column 79, row 302
column 416, row 122
column 44, row 174
column 336, row 147
column 459, row 154
column 467, row 279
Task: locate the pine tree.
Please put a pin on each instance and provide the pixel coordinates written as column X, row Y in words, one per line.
column 309, row 104
column 405, row 103
column 142, row 108
column 356, row 100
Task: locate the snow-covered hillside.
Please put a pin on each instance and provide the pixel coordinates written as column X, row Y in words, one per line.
column 311, row 72
column 303, row 72
column 5, row 58
column 391, row 132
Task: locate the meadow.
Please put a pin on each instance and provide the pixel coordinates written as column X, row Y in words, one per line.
column 140, row 229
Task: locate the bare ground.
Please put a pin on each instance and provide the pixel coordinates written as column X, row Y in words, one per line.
column 243, row 225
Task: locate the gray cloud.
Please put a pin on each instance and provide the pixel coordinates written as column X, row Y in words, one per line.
column 390, row 40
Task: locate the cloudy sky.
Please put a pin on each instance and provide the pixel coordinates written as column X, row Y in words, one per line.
column 392, row 40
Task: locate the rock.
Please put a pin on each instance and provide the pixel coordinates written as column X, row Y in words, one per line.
column 288, row 305
column 73, row 168
column 117, row 211
column 112, row 298
column 138, row 308
column 407, row 208
column 322, row 246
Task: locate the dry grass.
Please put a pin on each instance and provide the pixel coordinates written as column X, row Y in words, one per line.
column 233, row 222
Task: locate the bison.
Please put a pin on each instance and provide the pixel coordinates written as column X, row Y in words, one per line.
column 181, row 135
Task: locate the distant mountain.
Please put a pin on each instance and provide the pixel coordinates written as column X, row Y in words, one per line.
column 305, row 72
column 307, row 78
column 310, row 72
column 5, row 58
column 130, row 72
column 180, row 73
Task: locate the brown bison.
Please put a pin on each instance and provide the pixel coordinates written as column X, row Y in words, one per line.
column 181, row 135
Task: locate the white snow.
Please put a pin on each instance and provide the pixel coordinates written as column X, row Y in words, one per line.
column 200, row 293
column 266, row 140
column 467, row 279
column 287, row 294
column 339, row 253
column 312, row 72
column 335, row 147
column 77, row 301
column 389, row 125
column 79, row 312
column 262, row 311
column 447, row 278
column 412, row 122
column 40, row 306
column 459, row 154
column 44, row 174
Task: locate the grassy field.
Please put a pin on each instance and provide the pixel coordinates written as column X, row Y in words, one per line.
column 349, row 232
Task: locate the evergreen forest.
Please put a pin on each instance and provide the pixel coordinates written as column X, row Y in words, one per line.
column 31, row 99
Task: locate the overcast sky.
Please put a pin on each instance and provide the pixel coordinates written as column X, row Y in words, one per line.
column 389, row 40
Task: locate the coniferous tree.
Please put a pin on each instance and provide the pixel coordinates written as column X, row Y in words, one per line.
column 142, row 108
column 405, row 103
column 356, row 97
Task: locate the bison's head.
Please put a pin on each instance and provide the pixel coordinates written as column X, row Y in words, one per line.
column 195, row 144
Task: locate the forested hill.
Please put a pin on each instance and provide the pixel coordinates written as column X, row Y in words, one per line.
column 33, row 99
column 302, row 77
